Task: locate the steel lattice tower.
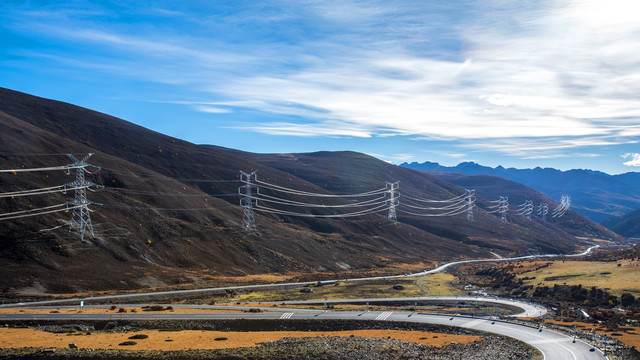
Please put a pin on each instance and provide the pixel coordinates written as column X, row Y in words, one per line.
column 526, row 209
column 504, row 207
column 247, row 200
column 543, row 210
column 470, row 203
column 80, row 217
column 391, row 190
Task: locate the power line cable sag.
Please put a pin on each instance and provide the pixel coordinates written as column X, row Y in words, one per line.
column 148, row 176
column 381, row 208
column 459, row 203
column 453, row 213
column 167, row 209
column 154, row 193
column 276, row 200
column 3, row 217
column 461, row 197
column 306, row 193
column 40, row 169
column 60, row 189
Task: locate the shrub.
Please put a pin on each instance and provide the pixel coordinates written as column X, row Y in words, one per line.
column 113, row 307
column 122, row 310
column 138, row 337
column 128, row 343
column 220, row 339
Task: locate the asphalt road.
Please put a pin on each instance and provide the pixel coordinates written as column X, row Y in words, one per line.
column 553, row 345
column 267, row 286
column 529, row 310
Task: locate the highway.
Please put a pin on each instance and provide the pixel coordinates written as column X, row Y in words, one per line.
column 270, row 286
column 553, row 345
column 529, row 310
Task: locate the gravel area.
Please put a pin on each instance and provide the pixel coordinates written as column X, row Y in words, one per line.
column 323, row 348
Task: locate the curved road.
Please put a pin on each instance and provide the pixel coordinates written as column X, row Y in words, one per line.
column 551, row 344
column 529, row 310
column 292, row 284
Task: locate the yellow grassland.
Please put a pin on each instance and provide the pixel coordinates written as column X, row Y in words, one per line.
column 606, row 275
column 436, row 284
column 196, row 339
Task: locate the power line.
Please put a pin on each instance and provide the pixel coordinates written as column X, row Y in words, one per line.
column 563, row 207
column 526, row 209
column 500, row 206
column 451, row 213
column 380, row 208
column 459, row 204
column 37, row 214
column 51, row 168
column 454, row 199
column 167, row 209
column 148, row 176
column 543, row 210
column 32, row 210
column 306, row 193
column 276, row 200
column 60, row 189
column 155, row 193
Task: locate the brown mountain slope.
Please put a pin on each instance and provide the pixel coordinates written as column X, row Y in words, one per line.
column 337, row 171
column 171, row 213
column 139, row 241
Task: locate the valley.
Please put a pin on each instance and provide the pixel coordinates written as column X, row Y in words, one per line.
column 170, row 224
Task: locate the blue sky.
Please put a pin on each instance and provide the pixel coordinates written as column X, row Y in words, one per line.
column 512, row 83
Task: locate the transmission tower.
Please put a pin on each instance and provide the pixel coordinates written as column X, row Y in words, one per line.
column 526, row 209
column 503, row 208
column 391, row 190
column 80, row 217
column 543, row 210
column 565, row 204
column 471, row 200
column 247, row 200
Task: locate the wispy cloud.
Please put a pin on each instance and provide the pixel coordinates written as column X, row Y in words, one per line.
column 211, row 109
column 393, row 158
column 308, row 130
column 544, row 81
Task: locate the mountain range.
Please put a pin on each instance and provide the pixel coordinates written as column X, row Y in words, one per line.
column 170, row 209
column 595, row 194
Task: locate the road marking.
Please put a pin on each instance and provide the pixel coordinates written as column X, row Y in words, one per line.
column 384, row 315
column 286, row 315
column 546, row 341
column 472, row 323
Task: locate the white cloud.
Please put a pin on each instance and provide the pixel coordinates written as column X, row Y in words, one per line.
column 307, row 130
column 211, row 109
column 543, row 83
column 634, row 159
column 394, row 158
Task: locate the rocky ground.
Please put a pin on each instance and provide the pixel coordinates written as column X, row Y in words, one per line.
column 324, row 348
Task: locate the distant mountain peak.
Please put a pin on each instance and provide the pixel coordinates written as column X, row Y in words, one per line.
column 595, row 194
